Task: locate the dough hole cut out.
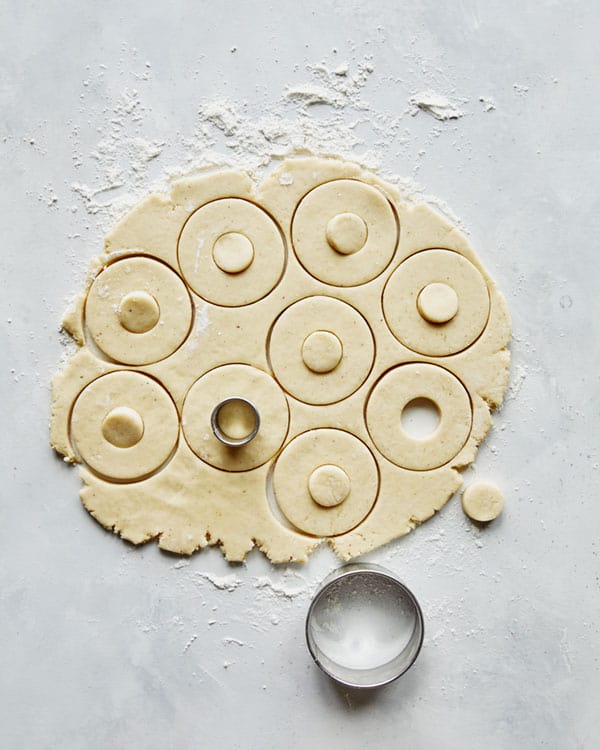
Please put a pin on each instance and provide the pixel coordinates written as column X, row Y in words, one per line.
column 329, row 485
column 346, row 233
column 233, row 252
column 437, row 303
column 123, row 427
column 420, row 418
column 401, row 386
column 138, row 312
column 214, row 252
column 404, row 314
column 306, row 464
column 327, row 233
column 322, row 351
column 482, row 501
column 122, row 306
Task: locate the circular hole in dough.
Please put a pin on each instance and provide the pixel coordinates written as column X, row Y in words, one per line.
column 403, row 385
column 346, row 233
column 233, row 252
column 138, row 311
column 482, row 501
column 123, row 427
column 420, row 418
column 322, row 351
column 437, row 303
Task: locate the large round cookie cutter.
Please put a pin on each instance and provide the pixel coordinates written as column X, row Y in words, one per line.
column 364, row 626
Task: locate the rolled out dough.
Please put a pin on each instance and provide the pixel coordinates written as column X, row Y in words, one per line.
column 327, row 302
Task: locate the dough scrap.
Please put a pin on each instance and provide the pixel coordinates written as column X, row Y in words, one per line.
column 482, row 501
column 317, row 298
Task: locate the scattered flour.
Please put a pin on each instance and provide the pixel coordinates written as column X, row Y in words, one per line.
column 130, row 160
column 436, row 105
column 228, row 582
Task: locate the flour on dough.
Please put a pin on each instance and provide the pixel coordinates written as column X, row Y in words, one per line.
column 322, row 299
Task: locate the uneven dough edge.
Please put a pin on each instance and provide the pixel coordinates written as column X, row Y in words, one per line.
column 136, row 516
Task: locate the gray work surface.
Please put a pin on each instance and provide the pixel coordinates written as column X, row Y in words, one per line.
column 106, row 645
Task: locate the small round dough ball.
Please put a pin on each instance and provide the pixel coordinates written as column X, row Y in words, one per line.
column 138, row 312
column 482, row 501
column 437, row 303
column 346, row 233
column 322, row 351
column 233, row 252
column 123, row 427
column 329, row 485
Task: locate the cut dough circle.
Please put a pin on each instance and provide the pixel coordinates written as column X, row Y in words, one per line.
column 124, row 425
column 329, row 485
column 412, row 279
column 138, row 311
column 482, row 501
column 243, row 382
column 399, row 387
column 294, row 479
column 231, row 252
column 302, row 358
column 344, row 232
column 322, row 351
column 437, row 303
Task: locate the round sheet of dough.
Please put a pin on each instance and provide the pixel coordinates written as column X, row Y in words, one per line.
column 294, row 476
column 316, row 368
column 399, row 387
column 344, row 232
column 138, row 311
column 231, row 252
column 235, row 381
column 414, row 276
column 482, row 501
column 124, row 425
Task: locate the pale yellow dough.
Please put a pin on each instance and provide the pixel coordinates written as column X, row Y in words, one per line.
column 326, row 301
column 482, row 501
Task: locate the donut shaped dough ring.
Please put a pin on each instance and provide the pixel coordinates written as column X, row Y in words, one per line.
column 235, row 381
column 397, row 388
column 242, row 234
column 290, row 360
column 108, row 414
column 401, row 302
column 316, row 217
column 298, row 462
column 121, row 305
